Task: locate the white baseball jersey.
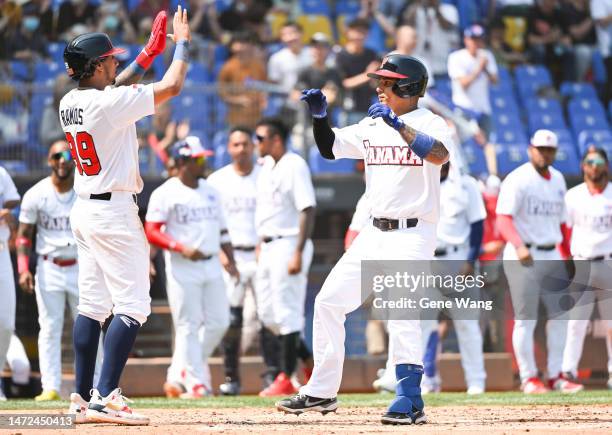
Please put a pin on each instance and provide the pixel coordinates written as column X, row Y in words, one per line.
column 476, row 96
column 8, row 192
column 361, row 217
column 399, row 184
column 49, row 210
column 284, row 189
column 100, row 128
column 590, row 216
column 461, row 205
column 193, row 217
column 238, row 197
column 536, row 204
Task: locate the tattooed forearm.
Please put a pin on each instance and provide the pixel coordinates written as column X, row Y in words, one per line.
column 438, row 154
column 129, row 76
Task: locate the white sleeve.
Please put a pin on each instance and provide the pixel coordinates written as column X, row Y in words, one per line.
column 491, row 64
column 348, row 143
column 124, row 105
column 564, row 213
column 455, row 68
column 598, row 9
column 8, row 191
column 569, row 209
column 29, row 208
column 510, row 196
column 157, row 210
column 274, row 71
column 439, row 130
column 303, row 190
column 476, row 208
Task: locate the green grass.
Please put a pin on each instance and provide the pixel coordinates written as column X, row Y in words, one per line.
column 602, row 397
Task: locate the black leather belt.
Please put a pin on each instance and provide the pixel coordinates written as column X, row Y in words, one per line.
column 541, row 247
column 268, row 239
column 441, row 252
column 599, row 257
column 243, row 248
column 385, row 224
column 206, row 257
column 106, row 196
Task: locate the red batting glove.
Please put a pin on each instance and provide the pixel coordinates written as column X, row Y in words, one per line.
column 157, row 42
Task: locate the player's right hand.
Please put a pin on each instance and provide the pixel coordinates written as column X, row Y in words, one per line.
column 524, row 256
column 192, row 254
column 180, row 26
column 26, row 282
column 317, row 103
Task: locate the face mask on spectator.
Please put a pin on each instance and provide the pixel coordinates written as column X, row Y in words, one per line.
column 30, row 23
column 111, row 22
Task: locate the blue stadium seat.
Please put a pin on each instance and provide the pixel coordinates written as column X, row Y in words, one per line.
column 14, row 166
column 443, row 86
column 56, row 52
column 320, row 165
column 190, row 105
column 507, row 121
column 47, row 72
column 509, row 136
column 563, row 135
column 501, row 87
column 348, row 7
column 475, row 158
column 504, row 104
column 587, row 121
column 197, row 73
column 20, row 71
column 550, row 121
column 571, row 89
column 509, row 157
column 504, row 74
column 314, row 7
column 567, row 160
column 598, row 67
column 610, row 108
column 544, row 105
column 532, row 73
column 581, row 104
column 587, row 138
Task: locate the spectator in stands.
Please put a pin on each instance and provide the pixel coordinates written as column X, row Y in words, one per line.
column 549, row 42
column 471, row 69
column 245, row 105
column 437, row 24
column 204, row 20
column 43, row 9
column 576, row 16
column 10, row 21
column 113, row 20
column 50, row 129
column 76, row 12
column 380, row 26
column 354, row 62
column 406, row 40
column 601, row 11
column 27, row 43
column 249, row 15
column 285, row 65
column 504, row 54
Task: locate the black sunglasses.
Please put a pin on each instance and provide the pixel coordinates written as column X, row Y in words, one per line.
column 258, row 138
column 65, row 154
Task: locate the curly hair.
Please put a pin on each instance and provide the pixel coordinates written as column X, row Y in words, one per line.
column 88, row 69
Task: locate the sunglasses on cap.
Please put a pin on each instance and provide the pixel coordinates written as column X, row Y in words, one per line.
column 258, row 138
column 598, row 161
column 65, row 154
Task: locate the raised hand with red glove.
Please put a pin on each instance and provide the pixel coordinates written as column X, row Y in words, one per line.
column 156, row 44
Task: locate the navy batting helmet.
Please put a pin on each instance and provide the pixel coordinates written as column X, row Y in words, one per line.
column 84, row 49
column 410, row 72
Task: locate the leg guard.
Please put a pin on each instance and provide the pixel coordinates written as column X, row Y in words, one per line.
column 289, row 352
column 408, row 398
column 231, row 344
column 270, row 349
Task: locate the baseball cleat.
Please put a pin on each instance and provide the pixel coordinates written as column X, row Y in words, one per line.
column 430, row 384
column 229, row 387
column 197, row 392
column 78, row 407
column 385, row 382
column 301, row 403
column 173, row 389
column 533, row 386
column 564, row 385
column 475, row 390
column 281, row 386
column 113, row 409
column 47, row 396
column 2, row 396
column 401, row 418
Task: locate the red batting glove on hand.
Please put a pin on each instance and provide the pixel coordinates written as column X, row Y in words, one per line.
column 157, row 42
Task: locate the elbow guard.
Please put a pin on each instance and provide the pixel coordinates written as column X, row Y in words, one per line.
column 324, row 137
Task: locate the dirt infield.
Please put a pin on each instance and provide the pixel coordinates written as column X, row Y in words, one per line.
column 491, row 419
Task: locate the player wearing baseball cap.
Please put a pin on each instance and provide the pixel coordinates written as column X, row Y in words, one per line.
column 531, row 216
column 403, row 147
column 190, row 212
column 589, row 211
column 98, row 118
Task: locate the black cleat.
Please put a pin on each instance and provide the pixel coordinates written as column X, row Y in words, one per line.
column 301, row 403
column 397, row 418
column 230, row 387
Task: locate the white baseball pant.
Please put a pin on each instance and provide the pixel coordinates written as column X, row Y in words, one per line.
column 17, row 360
column 200, row 314
column 465, row 321
column 113, row 257
column 600, row 293
column 280, row 297
column 523, row 282
column 341, row 294
column 7, row 307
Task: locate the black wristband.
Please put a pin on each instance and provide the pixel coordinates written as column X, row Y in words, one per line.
column 324, row 137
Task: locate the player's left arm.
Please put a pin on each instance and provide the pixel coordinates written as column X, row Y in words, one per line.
column 156, row 45
column 306, row 226
column 23, row 244
column 229, row 263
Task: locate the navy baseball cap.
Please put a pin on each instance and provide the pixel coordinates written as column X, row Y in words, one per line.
column 474, row 31
column 190, row 147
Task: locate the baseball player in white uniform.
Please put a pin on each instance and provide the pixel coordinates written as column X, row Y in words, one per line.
column 9, row 199
column 237, row 185
column 195, row 231
column 99, row 121
column 531, row 216
column 403, row 148
column 46, row 208
column 589, row 212
column 284, row 218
